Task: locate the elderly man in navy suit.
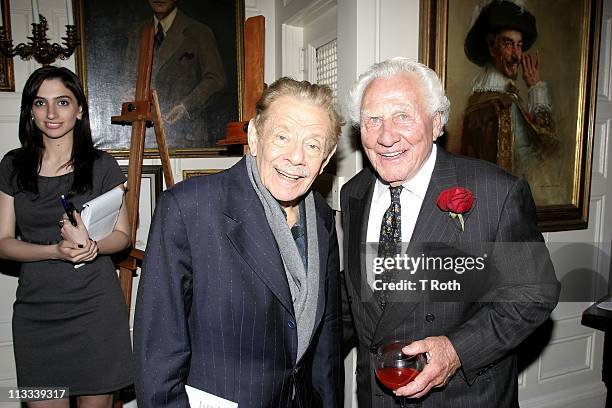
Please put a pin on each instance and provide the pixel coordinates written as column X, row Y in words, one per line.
column 239, row 292
column 401, row 109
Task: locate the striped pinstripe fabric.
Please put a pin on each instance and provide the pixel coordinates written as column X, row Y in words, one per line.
column 214, row 308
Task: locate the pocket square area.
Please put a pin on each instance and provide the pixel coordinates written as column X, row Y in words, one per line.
column 187, row 56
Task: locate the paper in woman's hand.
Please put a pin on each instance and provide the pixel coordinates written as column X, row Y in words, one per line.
column 100, row 214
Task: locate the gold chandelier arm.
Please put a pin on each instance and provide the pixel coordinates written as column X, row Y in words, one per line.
column 39, row 46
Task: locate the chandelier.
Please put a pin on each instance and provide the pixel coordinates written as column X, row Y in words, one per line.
column 39, row 47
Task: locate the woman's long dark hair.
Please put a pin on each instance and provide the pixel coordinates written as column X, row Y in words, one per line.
column 28, row 159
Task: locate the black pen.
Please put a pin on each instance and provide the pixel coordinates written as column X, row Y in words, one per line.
column 69, row 209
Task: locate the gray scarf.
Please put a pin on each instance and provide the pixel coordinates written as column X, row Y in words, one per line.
column 304, row 285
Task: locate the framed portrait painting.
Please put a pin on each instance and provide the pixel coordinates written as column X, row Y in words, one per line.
column 521, row 78
column 7, row 76
column 197, row 69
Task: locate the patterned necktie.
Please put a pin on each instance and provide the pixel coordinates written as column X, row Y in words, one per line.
column 159, row 35
column 390, row 241
column 391, row 227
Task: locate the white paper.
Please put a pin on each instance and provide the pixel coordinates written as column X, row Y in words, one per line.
column 202, row 399
column 100, row 214
column 606, row 305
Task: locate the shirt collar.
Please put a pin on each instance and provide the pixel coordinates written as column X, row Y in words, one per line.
column 301, row 209
column 417, row 185
column 490, row 79
column 299, row 228
column 167, row 21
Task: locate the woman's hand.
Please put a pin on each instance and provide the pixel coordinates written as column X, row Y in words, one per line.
column 78, row 234
column 72, row 252
column 76, row 247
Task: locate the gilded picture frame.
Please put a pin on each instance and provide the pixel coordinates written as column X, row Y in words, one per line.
column 195, row 108
column 187, row 174
column 574, row 23
column 7, row 74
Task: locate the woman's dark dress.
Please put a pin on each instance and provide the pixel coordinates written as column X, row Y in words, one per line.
column 70, row 326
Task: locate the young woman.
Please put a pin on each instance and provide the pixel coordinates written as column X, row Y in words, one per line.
column 70, row 325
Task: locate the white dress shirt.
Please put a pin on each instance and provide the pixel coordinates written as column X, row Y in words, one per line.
column 411, row 199
column 167, row 21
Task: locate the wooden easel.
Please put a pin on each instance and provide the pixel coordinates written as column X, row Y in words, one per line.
column 254, row 35
column 145, row 108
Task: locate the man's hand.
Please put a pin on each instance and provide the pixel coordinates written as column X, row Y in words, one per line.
column 177, row 113
column 531, row 69
column 442, row 363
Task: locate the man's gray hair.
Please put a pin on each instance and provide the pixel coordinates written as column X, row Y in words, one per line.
column 317, row 94
column 433, row 92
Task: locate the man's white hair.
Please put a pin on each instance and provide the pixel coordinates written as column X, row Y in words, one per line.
column 433, row 92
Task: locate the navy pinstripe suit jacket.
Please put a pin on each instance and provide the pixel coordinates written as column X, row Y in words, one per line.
column 214, row 308
column 483, row 334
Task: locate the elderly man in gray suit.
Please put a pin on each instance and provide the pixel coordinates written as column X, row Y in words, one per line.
column 401, row 109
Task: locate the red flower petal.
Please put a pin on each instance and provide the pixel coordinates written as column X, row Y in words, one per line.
column 456, row 199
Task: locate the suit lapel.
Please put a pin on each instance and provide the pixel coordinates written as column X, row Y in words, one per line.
column 172, row 41
column 252, row 238
column 323, row 238
column 360, row 203
column 433, row 224
column 360, row 198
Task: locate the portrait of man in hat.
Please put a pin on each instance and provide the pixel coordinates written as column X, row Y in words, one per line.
column 513, row 129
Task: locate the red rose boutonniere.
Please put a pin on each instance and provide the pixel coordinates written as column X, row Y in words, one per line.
column 456, row 201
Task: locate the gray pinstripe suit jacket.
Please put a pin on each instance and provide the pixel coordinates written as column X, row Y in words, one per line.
column 483, row 334
column 214, row 308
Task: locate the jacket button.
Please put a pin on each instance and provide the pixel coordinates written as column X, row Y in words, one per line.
column 429, row 317
column 373, row 349
column 291, row 324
